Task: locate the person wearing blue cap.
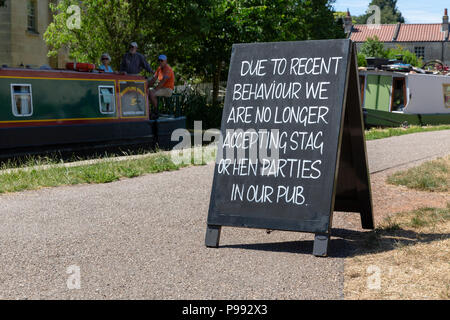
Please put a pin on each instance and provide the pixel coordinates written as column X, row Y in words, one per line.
column 166, row 83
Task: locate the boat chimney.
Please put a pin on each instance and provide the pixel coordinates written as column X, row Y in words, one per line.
column 348, row 25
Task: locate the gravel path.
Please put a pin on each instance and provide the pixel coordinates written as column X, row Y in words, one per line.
column 143, row 238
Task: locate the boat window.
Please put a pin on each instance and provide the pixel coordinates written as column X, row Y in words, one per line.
column 107, row 99
column 447, row 95
column 22, row 100
column 398, row 94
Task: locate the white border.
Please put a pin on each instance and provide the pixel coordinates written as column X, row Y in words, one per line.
column 100, row 101
column 12, row 99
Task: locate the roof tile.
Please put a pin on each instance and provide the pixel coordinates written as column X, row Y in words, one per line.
column 420, row 32
column 407, row 32
column 384, row 32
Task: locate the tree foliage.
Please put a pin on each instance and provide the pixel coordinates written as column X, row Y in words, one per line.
column 196, row 35
column 210, row 28
column 375, row 49
column 407, row 56
column 389, row 12
column 340, row 15
column 106, row 26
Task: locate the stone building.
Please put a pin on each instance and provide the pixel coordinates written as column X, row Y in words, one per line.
column 22, row 26
column 429, row 41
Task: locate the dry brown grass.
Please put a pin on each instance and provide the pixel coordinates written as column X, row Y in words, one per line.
column 433, row 176
column 411, row 251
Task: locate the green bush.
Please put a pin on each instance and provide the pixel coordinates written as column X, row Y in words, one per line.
column 362, row 60
column 407, row 56
column 195, row 107
column 373, row 47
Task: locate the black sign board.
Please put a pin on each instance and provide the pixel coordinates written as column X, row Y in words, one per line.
column 293, row 148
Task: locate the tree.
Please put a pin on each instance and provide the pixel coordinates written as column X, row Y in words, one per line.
column 106, row 26
column 340, row 15
column 373, row 48
column 196, row 35
column 389, row 12
column 202, row 32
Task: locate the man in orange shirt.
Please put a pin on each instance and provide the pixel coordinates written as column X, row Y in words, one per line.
column 164, row 74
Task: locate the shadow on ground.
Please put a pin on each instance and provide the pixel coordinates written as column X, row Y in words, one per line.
column 349, row 243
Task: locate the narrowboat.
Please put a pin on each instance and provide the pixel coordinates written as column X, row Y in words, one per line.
column 395, row 98
column 53, row 108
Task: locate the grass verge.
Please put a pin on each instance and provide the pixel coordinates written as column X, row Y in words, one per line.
column 408, row 257
column 46, row 173
column 377, row 133
column 433, row 176
column 51, row 171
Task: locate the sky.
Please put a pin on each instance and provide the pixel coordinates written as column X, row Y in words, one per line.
column 414, row 11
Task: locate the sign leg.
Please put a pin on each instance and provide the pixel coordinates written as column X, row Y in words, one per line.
column 367, row 219
column 212, row 236
column 320, row 248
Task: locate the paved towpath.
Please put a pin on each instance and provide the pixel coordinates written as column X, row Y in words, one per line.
column 403, row 150
column 144, row 238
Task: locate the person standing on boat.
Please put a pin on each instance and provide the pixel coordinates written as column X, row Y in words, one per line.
column 106, row 60
column 166, row 82
column 133, row 62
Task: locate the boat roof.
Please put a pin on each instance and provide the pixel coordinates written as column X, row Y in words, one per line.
column 62, row 73
column 383, row 72
column 401, row 74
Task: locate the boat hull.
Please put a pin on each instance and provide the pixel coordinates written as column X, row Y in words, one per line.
column 377, row 118
column 155, row 133
column 56, row 108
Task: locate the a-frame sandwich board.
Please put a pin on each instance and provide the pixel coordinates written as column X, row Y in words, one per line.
column 343, row 183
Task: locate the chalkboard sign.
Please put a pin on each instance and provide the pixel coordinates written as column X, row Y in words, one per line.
column 292, row 149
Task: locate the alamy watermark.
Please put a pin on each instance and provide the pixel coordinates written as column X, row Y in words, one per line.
column 74, row 279
column 74, row 20
column 374, row 21
column 234, row 146
column 374, row 277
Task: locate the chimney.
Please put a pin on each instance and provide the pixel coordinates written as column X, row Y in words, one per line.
column 348, row 26
column 445, row 21
column 397, row 31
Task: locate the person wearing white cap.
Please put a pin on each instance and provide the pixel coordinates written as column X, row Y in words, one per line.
column 166, row 82
column 106, row 60
column 133, row 62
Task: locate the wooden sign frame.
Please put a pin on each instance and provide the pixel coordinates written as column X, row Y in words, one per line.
column 351, row 183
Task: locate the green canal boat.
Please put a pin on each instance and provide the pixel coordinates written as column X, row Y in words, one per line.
column 53, row 108
column 392, row 99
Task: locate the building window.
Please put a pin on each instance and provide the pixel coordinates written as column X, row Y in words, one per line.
column 31, row 16
column 22, row 100
column 420, row 52
column 107, row 99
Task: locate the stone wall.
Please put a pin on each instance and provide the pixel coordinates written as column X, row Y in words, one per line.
column 27, row 47
column 5, row 35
